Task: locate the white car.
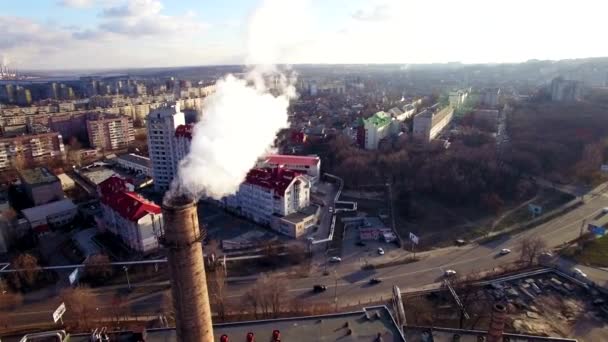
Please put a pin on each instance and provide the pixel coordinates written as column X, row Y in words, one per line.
column 605, row 210
column 579, row 273
column 505, row 251
column 380, row 251
column 335, row 259
column 449, row 273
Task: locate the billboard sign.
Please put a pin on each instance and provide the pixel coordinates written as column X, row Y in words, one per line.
column 58, row 313
column 73, row 277
column 414, row 238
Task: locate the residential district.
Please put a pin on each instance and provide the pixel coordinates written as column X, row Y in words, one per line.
column 428, row 203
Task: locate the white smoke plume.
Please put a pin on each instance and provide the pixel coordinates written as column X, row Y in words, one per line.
column 242, row 117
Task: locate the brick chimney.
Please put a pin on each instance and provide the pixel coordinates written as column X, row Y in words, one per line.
column 183, row 240
column 497, row 323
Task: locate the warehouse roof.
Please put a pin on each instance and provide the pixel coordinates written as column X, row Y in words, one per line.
column 38, row 176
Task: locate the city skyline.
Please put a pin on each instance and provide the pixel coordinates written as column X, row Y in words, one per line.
column 105, row 34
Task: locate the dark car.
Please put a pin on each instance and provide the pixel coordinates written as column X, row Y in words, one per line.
column 375, row 281
column 319, row 288
column 361, row 244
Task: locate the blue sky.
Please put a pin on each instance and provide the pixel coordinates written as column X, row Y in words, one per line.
column 60, row 34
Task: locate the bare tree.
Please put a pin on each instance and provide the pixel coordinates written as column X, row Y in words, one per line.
column 81, row 304
column 218, row 292
column 267, row 295
column 531, row 249
column 97, row 268
column 9, row 301
column 28, row 269
column 253, row 297
column 74, row 157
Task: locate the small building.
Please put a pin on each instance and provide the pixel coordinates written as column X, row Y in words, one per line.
column 375, row 128
column 55, row 214
column 297, row 224
column 41, row 186
column 135, row 163
column 67, row 183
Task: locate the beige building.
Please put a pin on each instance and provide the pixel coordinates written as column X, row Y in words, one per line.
column 431, row 121
column 27, row 150
column 110, row 132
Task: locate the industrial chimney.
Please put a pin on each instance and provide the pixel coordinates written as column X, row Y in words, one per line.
column 183, row 240
column 497, row 323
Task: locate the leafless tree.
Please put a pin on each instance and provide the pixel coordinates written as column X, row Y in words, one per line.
column 97, row 268
column 267, row 295
column 29, row 270
column 81, row 304
column 531, row 249
column 218, row 292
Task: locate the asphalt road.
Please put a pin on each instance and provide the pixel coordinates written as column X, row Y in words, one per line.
column 349, row 285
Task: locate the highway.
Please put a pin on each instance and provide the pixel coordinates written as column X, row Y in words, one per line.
column 350, row 285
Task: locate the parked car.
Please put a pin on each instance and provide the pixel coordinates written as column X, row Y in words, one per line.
column 361, row 244
column 380, row 251
column 375, row 281
column 319, row 288
column 578, row 273
column 449, row 273
column 505, row 251
column 460, row 242
column 335, row 259
column 605, row 210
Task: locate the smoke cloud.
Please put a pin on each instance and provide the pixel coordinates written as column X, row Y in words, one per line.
column 242, row 117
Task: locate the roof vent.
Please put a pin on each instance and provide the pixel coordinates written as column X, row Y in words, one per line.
column 379, row 338
column 349, row 332
column 224, row 338
column 276, row 336
column 345, row 325
column 250, row 337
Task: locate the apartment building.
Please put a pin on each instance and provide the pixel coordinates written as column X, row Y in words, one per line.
column 162, row 145
column 183, row 139
column 431, row 121
column 135, row 220
column 24, row 151
column 457, row 98
column 109, row 132
column 374, row 129
column 270, row 192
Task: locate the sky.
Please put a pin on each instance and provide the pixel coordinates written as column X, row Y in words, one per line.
column 102, row 34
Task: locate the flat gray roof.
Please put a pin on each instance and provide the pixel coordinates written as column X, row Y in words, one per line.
column 363, row 325
column 136, row 159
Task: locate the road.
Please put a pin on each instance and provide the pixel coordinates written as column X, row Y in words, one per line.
column 350, row 285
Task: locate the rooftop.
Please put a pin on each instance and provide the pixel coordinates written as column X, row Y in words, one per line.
column 379, row 119
column 129, row 205
column 38, row 176
column 136, row 159
column 301, row 214
column 277, row 179
column 41, row 212
column 281, row 159
column 366, row 325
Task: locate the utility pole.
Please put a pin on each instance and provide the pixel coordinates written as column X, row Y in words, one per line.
column 336, row 290
column 127, row 274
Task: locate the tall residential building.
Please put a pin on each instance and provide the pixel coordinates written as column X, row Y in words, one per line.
column 375, row 128
column 183, row 139
column 24, row 96
column 162, row 125
column 490, row 97
column 110, row 132
column 566, row 90
column 458, row 98
column 270, row 192
column 25, row 151
column 431, row 121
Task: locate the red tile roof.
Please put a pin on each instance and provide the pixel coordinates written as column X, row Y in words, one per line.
column 282, row 159
column 184, row 131
column 127, row 204
column 277, row 179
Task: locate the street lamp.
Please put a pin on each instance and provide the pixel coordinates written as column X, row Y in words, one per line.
column 336, row 289
column 127, row 274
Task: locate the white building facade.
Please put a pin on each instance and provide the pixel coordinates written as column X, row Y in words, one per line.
column 162, row 124
column 376, row 127
column 310, row 165
column 268, row 192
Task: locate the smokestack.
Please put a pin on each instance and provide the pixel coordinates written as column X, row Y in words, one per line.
column 183, row 240
column 497, row 323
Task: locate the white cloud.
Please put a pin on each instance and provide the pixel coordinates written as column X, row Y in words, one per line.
column 134, row 8
column 76, row 3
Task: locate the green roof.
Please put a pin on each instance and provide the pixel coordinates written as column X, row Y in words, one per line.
column 379, row 119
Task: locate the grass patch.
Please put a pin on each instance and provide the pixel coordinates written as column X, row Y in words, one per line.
column 408, row 260
column 595, row 253
column 548, row 200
